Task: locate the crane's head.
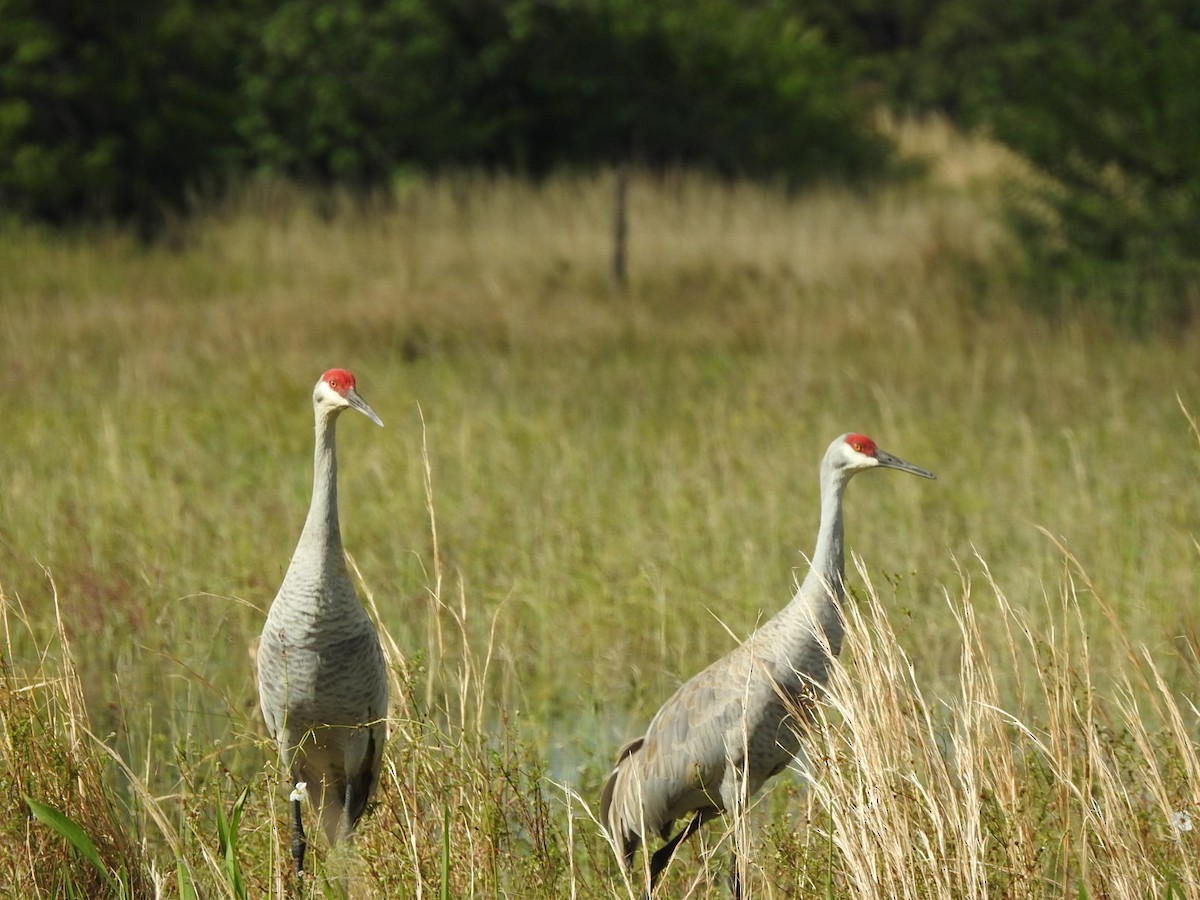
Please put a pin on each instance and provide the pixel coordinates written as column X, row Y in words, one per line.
column 336, row 391
column 856, row 452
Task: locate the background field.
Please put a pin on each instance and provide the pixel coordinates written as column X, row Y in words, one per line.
column 619, row 482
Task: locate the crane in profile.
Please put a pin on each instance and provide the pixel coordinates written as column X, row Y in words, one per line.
column 322, row 680
column 715, row 742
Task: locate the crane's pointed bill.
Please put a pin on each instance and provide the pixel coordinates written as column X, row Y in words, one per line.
column 357, row 402
column 894, row 462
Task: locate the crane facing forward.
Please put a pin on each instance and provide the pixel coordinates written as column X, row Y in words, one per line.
column 736, row 724
column 322, row 681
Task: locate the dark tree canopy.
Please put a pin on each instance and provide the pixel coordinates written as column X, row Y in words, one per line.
column 116, row 107
column 110, row 108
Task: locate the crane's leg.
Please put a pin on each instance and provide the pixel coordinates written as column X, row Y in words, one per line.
column 299, row 845
column 663, row 854
column 735, row 879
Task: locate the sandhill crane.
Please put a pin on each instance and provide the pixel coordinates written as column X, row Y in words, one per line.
column 715, row 742
column 322, row 681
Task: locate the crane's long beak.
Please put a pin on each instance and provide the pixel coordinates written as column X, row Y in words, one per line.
column 357, row 402
column 894, row 462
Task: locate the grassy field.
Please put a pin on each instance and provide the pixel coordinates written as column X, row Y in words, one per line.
column 577, row 498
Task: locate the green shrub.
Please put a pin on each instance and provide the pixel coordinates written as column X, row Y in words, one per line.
column 121, row 108
column 111, row 108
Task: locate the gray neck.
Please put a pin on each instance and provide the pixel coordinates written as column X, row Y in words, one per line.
column 817, row 602
column 828, row 559
column 322, row 536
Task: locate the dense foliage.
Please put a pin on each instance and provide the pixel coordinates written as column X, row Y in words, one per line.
column 1106, row 103
column 529, row 85
column 118, row 107
column 114, row 107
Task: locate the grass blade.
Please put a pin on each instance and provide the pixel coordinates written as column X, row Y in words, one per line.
column 183, row 878
column 69, row 829
column 227, row 834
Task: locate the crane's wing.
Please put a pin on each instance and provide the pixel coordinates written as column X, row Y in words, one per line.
column 268, row 667
column 692, row 745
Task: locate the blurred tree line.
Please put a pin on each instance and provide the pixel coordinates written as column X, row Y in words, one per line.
column 118, row 108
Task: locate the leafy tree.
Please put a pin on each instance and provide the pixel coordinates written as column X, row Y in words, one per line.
column 1104, row 99
column 110, row 107
column 347, row 91
column 117, row 107
column 353, row 90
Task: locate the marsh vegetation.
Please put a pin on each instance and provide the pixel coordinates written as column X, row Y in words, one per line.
column 579, row 499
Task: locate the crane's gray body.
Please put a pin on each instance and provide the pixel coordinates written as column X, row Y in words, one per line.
column 738, row 719
column 737, row 723
column 322, row 679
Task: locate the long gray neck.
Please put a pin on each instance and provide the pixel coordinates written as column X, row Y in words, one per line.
column 816, row 606
column 828, row 567
column 321, row 536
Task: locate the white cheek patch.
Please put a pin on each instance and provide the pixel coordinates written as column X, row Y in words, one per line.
column 862, row 460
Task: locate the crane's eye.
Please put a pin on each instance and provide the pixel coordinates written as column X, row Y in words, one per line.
column 856, row 446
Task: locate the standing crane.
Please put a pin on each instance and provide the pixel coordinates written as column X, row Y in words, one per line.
column 322, row 681
column 715, row 742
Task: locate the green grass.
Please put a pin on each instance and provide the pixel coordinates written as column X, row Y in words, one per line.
column 614, row 480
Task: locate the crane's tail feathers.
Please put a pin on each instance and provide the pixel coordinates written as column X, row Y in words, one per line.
column 627, row 840
column 616, row 829
column 361, row 784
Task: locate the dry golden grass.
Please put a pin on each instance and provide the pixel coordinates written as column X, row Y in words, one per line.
column 1070, row 789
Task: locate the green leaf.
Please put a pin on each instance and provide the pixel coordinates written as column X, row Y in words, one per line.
column 227, row 830
column 74, row 834
column 183, row 878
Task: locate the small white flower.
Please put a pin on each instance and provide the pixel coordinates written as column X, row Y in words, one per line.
column 301, row 792
column 1181, row 822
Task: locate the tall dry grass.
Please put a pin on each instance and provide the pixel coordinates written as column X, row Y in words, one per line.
column 1069, row 789
column 50, row 756
column 577, row 498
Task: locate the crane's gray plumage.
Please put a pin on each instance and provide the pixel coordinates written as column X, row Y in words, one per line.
column 322, row 681
column 734, row 725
